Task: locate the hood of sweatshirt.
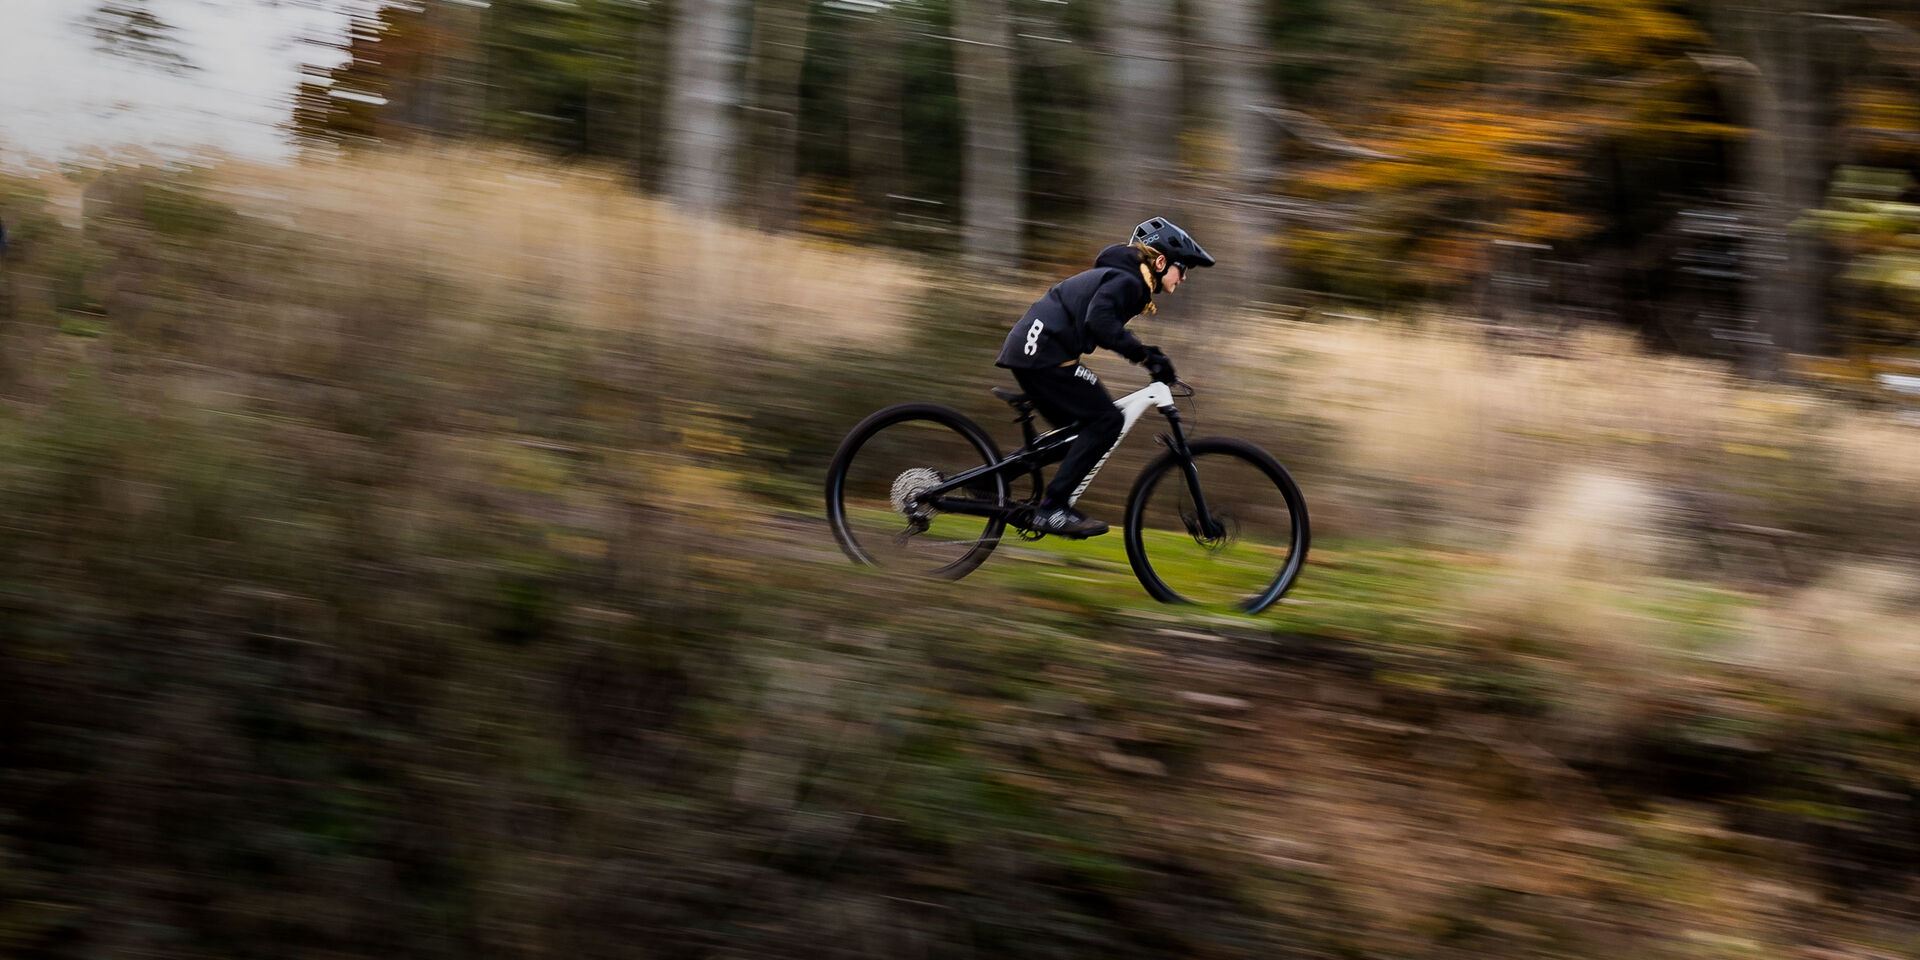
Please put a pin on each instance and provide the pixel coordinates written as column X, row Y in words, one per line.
column 1123, row 256
column 1120, row 256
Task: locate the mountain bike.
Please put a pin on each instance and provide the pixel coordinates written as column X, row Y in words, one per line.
column 921, row 488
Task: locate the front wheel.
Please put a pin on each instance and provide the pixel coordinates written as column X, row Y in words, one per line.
column 1248, row 558
column 877, row 490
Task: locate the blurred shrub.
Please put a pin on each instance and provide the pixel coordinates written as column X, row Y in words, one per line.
column 1871, row 217
column 1567, row 594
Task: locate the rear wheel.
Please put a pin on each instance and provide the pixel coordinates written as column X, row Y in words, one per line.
column 876, row 485
column 1256, row 550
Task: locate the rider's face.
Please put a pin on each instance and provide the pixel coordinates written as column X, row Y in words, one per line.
column 1171, row 279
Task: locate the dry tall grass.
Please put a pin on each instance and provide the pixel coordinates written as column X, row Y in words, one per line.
column 1436, row 401
column 1878, row 449
column 1479, row 425
column 1849, row 639
column 513, row 227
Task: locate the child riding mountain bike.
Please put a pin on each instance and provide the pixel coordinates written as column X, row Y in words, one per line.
column 1089, row 310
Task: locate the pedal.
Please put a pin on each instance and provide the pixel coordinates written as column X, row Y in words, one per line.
column 1021, row 518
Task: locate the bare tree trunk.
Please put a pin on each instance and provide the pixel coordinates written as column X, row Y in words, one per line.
column 778, row 54
column 992, row 191
column 700, row 102
column 1810, row 99
column 1140, row 148
column 450, row 85
column 1231, row 47
column 1787, row 96
column 875, row 118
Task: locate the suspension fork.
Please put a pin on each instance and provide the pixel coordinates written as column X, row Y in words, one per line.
column 1203, row 524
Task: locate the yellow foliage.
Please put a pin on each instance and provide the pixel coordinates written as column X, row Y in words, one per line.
column 1621, row 33
column 1542, row 226
column 1486, row 148
column 1882, row 108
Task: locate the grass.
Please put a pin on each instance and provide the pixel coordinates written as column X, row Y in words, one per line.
column 1210, row 579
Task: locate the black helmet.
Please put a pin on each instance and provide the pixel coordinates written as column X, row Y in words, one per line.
column 1160, row 234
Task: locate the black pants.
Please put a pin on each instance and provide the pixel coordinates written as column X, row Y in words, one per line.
column 1073, row 395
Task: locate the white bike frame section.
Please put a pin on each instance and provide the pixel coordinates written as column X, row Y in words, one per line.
column 1132, row 407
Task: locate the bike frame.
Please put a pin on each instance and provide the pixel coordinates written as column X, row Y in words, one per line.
column 1046, row 449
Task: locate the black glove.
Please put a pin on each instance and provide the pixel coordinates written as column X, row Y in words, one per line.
column 1158, row 366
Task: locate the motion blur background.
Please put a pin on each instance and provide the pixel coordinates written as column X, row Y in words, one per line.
column 413, row 417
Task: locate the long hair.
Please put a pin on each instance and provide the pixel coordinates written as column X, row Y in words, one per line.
column 1147, row 256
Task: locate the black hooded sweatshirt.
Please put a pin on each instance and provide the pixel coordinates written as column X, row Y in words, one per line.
column 1087, row 310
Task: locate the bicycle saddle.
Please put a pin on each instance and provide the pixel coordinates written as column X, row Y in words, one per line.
column 1020, row 401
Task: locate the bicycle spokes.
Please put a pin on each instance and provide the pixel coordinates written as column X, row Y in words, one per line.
column 1241, row 550
column 885, row 494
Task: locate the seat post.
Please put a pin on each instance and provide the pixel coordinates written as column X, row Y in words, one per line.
column 1027, row 434
column 1023, row 407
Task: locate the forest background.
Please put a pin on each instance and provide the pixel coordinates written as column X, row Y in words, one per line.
column 1724, row 177
column 415, row 548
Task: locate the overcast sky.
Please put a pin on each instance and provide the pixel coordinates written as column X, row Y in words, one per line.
column 60, row 98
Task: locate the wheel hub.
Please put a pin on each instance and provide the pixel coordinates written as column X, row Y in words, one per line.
column 1229, row 531
column 909, row 487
